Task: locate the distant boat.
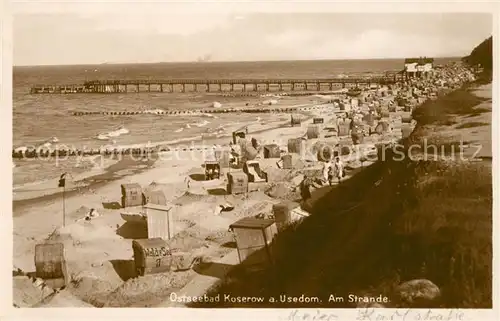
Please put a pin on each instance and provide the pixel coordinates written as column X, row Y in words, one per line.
column 205, row 58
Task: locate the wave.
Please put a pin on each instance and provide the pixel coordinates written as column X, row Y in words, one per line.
column 270, row 102
column 202, row 124
column 45, row 144
column 102, row 137
column 121, row 130
column 49, row 142
column 219, row 130
column 323, row 97
column 179, row 130
column 277, row 96
column 21, row 149
column 154, row 111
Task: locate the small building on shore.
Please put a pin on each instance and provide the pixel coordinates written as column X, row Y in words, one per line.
column 418, row 67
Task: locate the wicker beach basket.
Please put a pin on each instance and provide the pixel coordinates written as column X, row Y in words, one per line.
column 272, row 151
column 154, row 197
column 237, row 183
column 312, row 132
column 131, row 195
column 151, row 256
column 295, row 145
column 50, row 263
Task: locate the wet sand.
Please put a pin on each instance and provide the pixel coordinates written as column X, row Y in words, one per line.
column 114, row 167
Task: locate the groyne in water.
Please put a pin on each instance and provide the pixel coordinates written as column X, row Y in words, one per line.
column 46, row 153
column 197, row 111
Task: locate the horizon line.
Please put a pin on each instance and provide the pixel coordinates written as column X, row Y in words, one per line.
column 221, row 61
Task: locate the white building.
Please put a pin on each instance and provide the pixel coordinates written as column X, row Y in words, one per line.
column 418, row 67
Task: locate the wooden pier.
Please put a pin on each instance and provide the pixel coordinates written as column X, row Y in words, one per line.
column 210, row 85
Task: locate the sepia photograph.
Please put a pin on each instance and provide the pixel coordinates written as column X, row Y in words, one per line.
column 252, row 159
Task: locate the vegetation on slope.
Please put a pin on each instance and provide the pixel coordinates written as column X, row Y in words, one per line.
column 393, row 222
column 482, row 54
column 440, row 112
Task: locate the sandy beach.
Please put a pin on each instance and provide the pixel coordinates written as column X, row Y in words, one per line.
column 98, row 249
column 310, row 162
column 201, row 228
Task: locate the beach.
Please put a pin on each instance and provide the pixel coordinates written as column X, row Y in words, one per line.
column 196, row 211
column 99, row 249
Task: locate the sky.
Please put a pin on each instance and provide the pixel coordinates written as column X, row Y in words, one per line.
column 143, row 34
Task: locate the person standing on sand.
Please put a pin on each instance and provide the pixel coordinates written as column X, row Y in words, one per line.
column 327, row 166
column 306, row 185
column 331, row 175
column 210, row 174
column 305, row 191
column 339, row 168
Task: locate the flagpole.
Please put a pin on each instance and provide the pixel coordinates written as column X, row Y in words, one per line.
column 64, row 206
column 62, row 183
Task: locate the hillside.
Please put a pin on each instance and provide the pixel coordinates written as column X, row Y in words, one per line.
column 482, row 54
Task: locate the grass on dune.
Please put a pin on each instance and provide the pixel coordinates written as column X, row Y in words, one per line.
column 437, row 112
column 471, row 125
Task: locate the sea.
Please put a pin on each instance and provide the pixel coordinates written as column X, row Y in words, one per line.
column 47, row 118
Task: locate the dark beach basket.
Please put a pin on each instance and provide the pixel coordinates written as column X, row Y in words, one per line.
column 131, row 195
column 287, row 161
column 283, row 213
column 50, row 264
column 272, row 151
column 154, row 197
column 253, row 239
column 237, row 183
column 318, row 120
column 151, row 256
column 295, row 145
column 312, row 132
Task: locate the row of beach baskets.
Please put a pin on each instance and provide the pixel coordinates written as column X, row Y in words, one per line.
column 253, row 237
column 133, row 195
column 150, row 256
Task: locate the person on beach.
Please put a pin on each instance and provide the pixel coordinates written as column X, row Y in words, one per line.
column 339, row 169
column 327, row 167
column 331, row 175
column 210, row 174
column 305, row 191
column 307, row 185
